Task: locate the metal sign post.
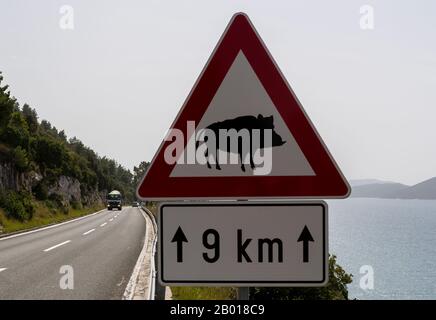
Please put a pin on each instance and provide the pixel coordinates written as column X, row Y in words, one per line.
column 243, row 293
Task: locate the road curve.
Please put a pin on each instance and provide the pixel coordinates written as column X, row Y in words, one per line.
column 101, row 249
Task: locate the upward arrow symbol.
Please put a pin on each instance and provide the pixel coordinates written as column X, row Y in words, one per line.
column 179, row 238
column 305, row 237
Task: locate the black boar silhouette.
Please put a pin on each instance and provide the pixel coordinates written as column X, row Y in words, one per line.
column 249, row 123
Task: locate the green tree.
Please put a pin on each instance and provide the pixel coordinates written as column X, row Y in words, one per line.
column 19, row 158
column 8, row 104
column 336, row 289
column 31, row 118
column 45, row 125
column 49, row 152
column 139, row 172
column 16, row 132
column 62, row 135
column 18, row 205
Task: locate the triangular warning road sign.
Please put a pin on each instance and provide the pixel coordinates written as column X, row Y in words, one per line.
column 241, row 88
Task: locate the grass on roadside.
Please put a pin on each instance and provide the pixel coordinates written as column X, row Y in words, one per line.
column 203, row 293
column 152, row 206
column 42, row 216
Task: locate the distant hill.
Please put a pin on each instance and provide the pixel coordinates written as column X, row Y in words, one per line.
column 378, row 190
column 423, row 190
column 392, row 190
column 361, row 182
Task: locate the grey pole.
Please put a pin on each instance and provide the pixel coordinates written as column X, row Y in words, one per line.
column 243, row 293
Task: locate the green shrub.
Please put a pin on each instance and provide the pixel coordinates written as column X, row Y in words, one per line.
column 65, row 208
column 56, row 198
column 19, row 206
column 14, row 207
column 20, row 159
column 7, row 103
column 5, row 152
column 16, row 133
column 31, row 118
column 59, row 202
column 28, row 203
column 52, row 176
column 41, row 190
column 50, row 205
column 50, row 152
column 336, row 289
column 203, row 293
column 76, row 205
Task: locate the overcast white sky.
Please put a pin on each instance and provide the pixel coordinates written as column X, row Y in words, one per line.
column 119, row 78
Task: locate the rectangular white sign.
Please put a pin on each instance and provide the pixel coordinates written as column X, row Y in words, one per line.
column 243, row 243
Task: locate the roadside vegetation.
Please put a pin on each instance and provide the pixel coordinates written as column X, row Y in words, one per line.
column 336, row 289
column 203, row 293
column 43, row 216
column 34, row 155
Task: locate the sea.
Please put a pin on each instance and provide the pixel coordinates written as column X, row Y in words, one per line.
column 388, row 245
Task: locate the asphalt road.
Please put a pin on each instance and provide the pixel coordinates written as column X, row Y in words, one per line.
column 102, row 250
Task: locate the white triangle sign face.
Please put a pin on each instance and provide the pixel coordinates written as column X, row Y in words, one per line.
column 241, row 94
column 242, row 134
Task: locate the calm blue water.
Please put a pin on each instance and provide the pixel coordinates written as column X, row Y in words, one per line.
column 396, row 237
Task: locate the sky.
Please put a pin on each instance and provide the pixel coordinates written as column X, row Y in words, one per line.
column 119, row 77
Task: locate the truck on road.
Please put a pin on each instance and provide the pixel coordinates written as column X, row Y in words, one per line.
column 114, row 200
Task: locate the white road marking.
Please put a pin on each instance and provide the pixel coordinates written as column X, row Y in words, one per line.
column 103, row 224
column 56, row 246
column 110, row 220
column 88, row 232
column 50, row 227
column 2, row 269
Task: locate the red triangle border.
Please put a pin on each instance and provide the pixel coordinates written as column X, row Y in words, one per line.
column 328, row 181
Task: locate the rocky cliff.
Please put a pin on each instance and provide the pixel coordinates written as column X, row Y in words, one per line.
column 11, row 179
column 67, row 188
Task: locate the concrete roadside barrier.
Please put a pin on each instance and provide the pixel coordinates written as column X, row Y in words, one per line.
column 142, row 282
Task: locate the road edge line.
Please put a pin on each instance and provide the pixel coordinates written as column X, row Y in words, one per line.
column 50, row 226
column 56, row 246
